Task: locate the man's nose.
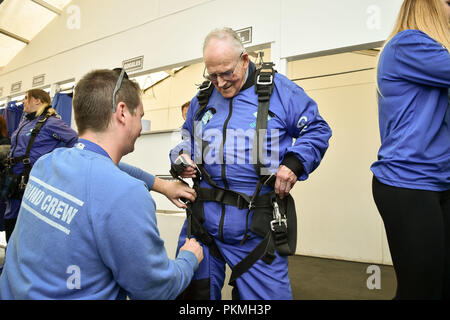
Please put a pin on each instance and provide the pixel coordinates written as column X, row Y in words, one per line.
column 220, row 82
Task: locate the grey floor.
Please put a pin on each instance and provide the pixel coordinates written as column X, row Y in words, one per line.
column 327, row 279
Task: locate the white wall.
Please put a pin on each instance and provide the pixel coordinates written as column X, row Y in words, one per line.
column 336, row 212
column 311, row 26
column 171, row 33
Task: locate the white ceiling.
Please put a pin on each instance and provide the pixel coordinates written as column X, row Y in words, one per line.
column 21, row 21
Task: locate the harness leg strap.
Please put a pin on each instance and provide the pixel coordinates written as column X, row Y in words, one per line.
column 260, row 251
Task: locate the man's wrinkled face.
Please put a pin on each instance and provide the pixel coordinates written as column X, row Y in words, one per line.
column 225, row 67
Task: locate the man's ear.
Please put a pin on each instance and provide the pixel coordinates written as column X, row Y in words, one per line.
column 120, row 113
column 246, row 59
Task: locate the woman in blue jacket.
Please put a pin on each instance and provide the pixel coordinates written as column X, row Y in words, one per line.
column 53, row 134
column 411, row 184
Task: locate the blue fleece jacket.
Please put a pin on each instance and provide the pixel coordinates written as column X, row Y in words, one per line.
column 414, row 113
column 87, row 230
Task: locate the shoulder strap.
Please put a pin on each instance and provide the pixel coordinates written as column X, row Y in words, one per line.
column 26, row 157
column 263, row 87
column 205, row 91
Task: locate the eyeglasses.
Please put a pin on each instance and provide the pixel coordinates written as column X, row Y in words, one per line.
column 227, row 75
column 122, row 75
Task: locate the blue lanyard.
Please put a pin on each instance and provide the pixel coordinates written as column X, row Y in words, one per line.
column 91, row 146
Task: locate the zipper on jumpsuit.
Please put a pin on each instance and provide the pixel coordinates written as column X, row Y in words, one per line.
column 17, row 138
column 224, row 178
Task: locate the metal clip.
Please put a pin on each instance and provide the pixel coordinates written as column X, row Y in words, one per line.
column 264, row 83
column 22, row 183
column 277, row 219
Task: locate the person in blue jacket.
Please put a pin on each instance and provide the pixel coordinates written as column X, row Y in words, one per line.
column 86, row 229
column 411, row 183
column 55, row 133
column 227, row 124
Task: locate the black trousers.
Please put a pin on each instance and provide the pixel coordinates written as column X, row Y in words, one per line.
column 417, row 224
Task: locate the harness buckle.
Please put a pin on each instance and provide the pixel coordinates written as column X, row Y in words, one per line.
column 240, row 203
column 22, row 183
column 278, row 220
column 264, row 83
column 219, row 194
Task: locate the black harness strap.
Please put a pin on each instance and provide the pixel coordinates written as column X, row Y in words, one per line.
column 263, row 87
column 276, row 238
column 201, row 234
column 205, row 91
column 258, row 253
column 236, row 199
column 25, row 159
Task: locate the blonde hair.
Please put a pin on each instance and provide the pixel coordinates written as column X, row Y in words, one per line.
column 427, row 16
column 50, row 111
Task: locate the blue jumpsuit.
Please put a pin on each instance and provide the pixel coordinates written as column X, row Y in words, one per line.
column 227, row 126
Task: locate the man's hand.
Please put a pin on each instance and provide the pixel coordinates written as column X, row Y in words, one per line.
column 285, row 181
column 193, row 246
column 174, row 190
column 189, row 172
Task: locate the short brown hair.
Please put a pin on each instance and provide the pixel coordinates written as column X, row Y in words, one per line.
column 185, row 105
column 40, row 94
column 92, row 100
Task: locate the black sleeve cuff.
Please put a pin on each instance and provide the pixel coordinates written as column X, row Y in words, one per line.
column 293, row 163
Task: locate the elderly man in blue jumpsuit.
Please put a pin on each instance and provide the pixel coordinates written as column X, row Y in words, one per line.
column 230, row 113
